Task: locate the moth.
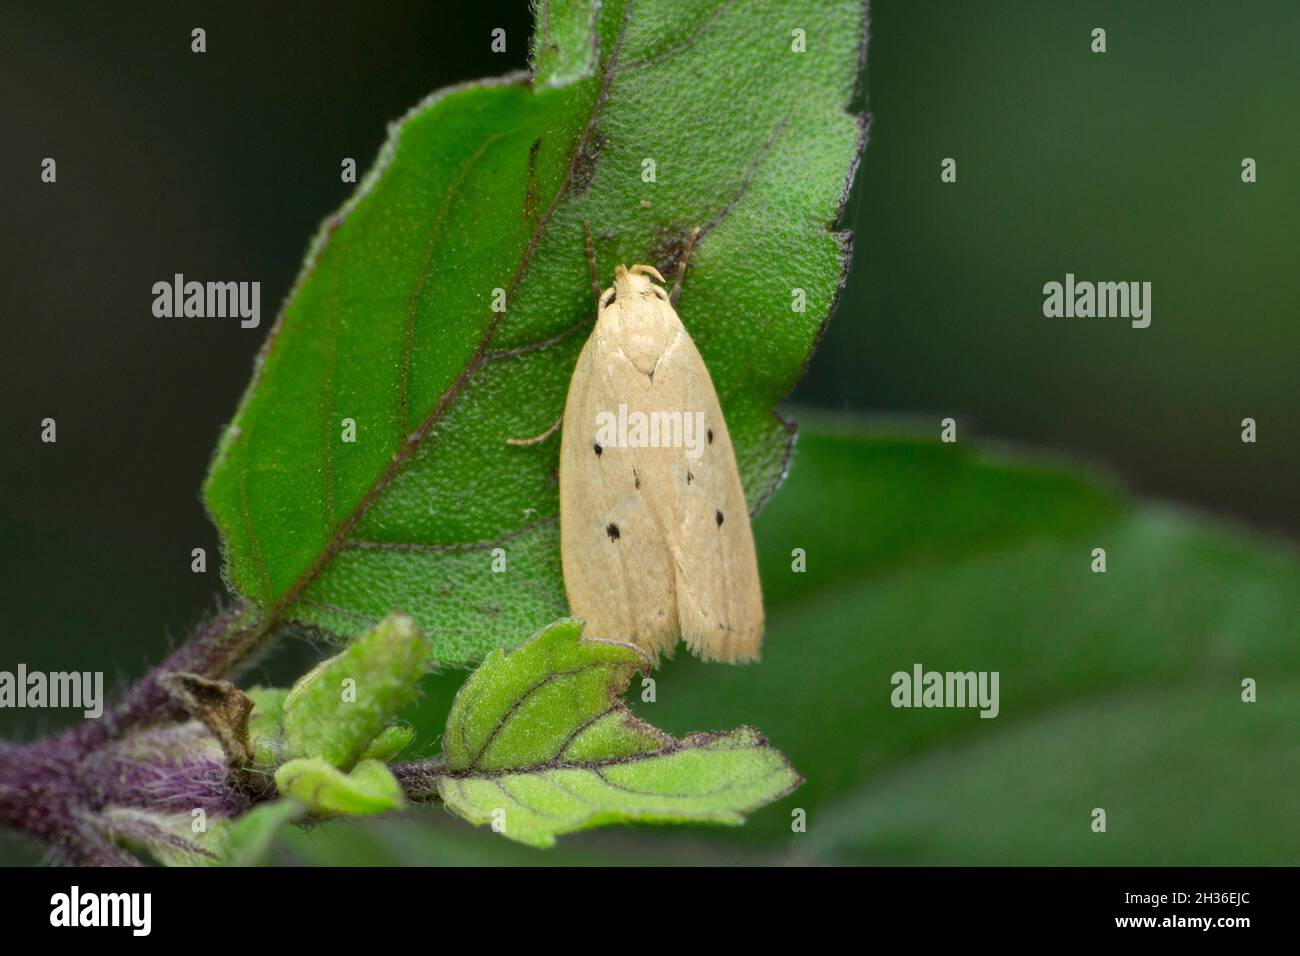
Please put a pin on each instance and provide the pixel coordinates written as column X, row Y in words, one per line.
column 654, row 526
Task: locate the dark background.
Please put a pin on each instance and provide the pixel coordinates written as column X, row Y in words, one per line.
column 1122, row 166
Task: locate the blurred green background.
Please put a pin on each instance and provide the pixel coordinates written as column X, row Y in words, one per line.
column 1120, row 166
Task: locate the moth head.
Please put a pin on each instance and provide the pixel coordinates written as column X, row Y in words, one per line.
column 634, row 282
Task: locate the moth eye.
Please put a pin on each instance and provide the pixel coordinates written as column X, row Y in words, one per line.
column 710, row 436
column 609, row 296
column 718, row 515
column 612, row 531
column 598, row 449
column 660, row 292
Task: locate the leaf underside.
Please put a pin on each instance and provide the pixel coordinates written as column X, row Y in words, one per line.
column 485, row 187
column 539, row 744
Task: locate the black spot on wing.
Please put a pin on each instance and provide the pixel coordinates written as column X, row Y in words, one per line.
column 718, row 516
column 598, row 449
column 612, row 531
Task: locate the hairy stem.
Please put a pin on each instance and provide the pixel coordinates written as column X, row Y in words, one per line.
column 419, row 779
column 226, row 643
column 56, row 787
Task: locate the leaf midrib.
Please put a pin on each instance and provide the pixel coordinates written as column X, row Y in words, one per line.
column 671, row 746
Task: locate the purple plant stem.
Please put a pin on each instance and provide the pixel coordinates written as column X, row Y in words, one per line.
column 53, row 787
column 219, row 649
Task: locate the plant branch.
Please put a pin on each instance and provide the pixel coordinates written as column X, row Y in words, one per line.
column 419, row 778
column 219, row 649
column 146, row 751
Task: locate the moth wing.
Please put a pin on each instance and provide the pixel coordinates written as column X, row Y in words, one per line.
column 618, row 566
column 719, row 597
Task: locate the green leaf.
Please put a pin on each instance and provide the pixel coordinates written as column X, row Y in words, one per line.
column 485, row 187
column 266, row 725
column 390, row 743
column 337, row 709
column 368, row 789
column 1119, row 690
column 167, row 837
column 969, row 558
column 538, row 744
column 1186, row 774
column 246, row 841
column 172, row 840
column 564, row 46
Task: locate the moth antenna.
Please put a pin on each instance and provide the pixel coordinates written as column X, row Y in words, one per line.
column 591, row 262
column 681, row 267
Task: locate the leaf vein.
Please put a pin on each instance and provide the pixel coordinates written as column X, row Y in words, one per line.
column 426, row 271
column 513, row 710
column 681, row 47
column 420, row 547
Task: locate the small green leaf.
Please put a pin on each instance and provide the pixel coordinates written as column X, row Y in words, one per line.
column 266, row 725
column 390, row 743
column 370, row 787
column 245, row 841
column 564, row 46
column 168, row 837
column 173, row 840
column 336, row 710
column 539, row 744
column 477, row 203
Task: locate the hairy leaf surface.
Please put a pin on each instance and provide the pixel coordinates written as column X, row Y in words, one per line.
column 479, row 197
column 538, row 744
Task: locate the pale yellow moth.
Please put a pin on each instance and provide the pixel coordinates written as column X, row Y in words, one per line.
column 654, row 527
